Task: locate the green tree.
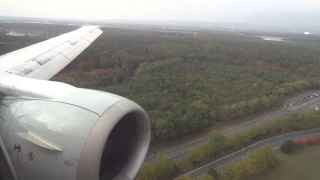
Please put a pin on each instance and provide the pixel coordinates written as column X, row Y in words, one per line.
column 288, row 146
column 184, row 177
column 208, row 149
column 146, row 172
column 205, row 177
column 194, row 155
column 251, row 164
column 265, row 101
column 214, row 173
column 218, row 140
column 182, row 163
column 164, row 166
column 231, row 171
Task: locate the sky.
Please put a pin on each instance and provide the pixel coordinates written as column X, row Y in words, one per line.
column 297, row 12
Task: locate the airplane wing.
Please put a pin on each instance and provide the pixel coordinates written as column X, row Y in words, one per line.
column 45, row 59
column 52, row 130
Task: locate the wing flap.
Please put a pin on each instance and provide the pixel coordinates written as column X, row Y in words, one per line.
column 62, row 48
column 44, row 58
column 49, row 69
column 73, row 52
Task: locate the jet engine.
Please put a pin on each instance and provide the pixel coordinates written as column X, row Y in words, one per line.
column 81, row 134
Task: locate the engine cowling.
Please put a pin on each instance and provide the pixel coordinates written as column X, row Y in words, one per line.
column 86, row 134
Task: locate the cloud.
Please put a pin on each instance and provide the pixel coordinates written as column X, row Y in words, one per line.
column 251, row 11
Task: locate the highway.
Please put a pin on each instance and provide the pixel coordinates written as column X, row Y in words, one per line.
column 179, row 152
column 275, row 142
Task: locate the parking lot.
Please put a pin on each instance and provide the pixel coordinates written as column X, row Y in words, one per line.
column 304, row 100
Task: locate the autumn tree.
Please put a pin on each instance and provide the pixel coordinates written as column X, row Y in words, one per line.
column 300, row 143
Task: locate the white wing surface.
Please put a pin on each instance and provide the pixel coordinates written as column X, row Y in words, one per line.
column 45, row 59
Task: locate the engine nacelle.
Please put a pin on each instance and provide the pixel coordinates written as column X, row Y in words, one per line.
column 86, row 134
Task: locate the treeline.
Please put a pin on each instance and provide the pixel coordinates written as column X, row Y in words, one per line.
column 287, row 124
column 38, row 26
column 252, row 164
column 111, row 52
column 12, row 43
column 220, row 145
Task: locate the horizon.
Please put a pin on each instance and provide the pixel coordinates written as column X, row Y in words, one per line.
column 165, row 23
column 287, row 14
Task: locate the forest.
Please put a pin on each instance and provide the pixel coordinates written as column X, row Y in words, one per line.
column 189, row 81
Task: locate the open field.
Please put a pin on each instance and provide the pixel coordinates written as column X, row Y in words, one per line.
column 303, row 164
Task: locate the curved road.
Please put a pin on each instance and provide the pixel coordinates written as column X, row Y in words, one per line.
column 274, row 142
column 181, row 151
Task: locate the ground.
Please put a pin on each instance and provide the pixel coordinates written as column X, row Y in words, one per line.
column 302, row 164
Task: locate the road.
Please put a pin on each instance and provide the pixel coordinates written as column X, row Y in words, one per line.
column 275, row 142
column 179, row 152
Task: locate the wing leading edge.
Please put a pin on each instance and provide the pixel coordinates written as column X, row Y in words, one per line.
column 45, row 59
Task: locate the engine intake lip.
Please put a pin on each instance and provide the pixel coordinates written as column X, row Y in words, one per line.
column 90, row 159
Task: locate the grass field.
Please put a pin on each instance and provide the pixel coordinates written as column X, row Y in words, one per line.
column 302, row 165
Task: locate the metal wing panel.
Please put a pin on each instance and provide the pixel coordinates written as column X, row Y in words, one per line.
column 27, row 67
column 62, row 47
column 74, row 51
column 92, row 36
column 49, row 69
column 45, row 59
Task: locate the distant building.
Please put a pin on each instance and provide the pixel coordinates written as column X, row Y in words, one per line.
column 12, row 33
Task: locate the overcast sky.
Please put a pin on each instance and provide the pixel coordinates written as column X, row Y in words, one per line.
column 243, row 11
